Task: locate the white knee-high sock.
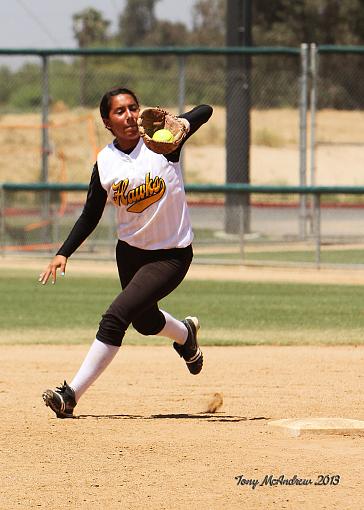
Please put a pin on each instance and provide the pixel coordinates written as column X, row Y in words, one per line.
column 97, row 359
column 174, row 329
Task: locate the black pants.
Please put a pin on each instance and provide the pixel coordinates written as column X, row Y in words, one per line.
column 146, row 277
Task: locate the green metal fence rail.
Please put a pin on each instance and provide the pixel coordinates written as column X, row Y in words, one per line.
column 179, row 50
column 169, row 50
column 204, row 188
column 329, row 48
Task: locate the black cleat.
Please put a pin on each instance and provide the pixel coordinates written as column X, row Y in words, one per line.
column 62, row 401
column 190, row 350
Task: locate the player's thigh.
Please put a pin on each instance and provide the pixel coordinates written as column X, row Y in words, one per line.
column 154, row 281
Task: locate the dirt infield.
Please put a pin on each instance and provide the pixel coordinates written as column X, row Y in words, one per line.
column 78, row 266
column 142, row 439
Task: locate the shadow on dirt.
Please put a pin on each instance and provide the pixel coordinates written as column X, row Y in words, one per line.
column 215, row 417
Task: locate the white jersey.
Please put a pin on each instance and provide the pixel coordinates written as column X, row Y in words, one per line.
column 149, row 196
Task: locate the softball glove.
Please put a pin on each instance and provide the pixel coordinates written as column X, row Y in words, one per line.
column 153, row 119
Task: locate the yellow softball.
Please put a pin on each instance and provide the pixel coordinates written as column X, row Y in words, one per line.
column 163, row 135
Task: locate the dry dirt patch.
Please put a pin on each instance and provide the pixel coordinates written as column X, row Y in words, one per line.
column 78, row 266
column 274, row 153
column 142, row 439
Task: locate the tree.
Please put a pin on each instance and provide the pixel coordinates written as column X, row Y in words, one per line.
column 283, row 22
column 6, row 86
column 89, row 27
column 167, row 33
column 208, row 23
column 137, row 21
column 334, row 22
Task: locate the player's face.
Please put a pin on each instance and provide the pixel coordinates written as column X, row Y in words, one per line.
column 122, row 120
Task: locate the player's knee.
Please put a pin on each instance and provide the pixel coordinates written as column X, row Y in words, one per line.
column 145, row 329
column 111, row 330
column 149, row 326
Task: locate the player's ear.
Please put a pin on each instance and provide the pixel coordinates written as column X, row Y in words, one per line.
column 106, row 124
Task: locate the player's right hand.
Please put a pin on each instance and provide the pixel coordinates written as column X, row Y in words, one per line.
column 58, row 262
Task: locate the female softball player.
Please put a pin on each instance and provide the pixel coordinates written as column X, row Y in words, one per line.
column 153, row 251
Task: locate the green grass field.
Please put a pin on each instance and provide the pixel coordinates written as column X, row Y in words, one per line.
column 231, row 313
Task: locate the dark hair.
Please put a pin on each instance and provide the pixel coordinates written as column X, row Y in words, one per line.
column 106, row 100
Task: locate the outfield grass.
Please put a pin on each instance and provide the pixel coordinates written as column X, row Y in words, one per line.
column 231, row 313
column 343, row 256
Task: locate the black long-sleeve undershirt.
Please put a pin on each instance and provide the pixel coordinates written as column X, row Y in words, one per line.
column 97, row 195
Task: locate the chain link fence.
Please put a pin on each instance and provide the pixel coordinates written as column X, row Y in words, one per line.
column 54, row 98
column 275, row 110
column 337, row 116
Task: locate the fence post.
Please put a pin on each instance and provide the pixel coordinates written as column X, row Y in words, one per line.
column 182, row 96
column 181, row 83
column 313, row 110
column 45, row 110
column 45, row 145
column 303, row 139
column 317, row 228
column 238, row 96
column 242, row 211
column 2, row 220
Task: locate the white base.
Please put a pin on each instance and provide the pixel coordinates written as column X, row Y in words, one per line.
column 297, row 427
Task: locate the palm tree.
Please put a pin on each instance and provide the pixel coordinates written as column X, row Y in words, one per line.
column 89, row 28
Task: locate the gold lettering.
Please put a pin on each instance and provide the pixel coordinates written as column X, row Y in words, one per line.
column 139, row 207
column 141, row 197
column 149, row 185
column 140, row 193
column 131, row 196
column 119, row 189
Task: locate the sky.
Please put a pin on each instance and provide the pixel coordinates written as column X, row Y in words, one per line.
column 48, row 23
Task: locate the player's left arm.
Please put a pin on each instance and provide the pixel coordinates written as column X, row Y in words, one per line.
column 196, row 117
